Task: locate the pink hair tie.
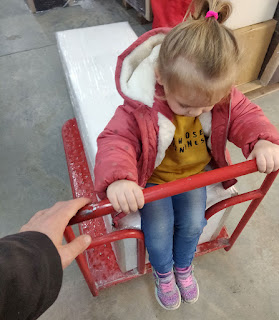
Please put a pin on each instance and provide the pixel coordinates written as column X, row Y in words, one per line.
column 212, row 14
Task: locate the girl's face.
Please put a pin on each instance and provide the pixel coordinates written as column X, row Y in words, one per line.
column 189, row 106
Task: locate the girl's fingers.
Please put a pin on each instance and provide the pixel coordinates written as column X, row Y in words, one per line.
column 131, row 199
column 269, row 163
column 276, row 163
column 125, row 196
column 261, row 163
column 251, row 156
column 123, row 202
column 114, row 201
column 139, row 197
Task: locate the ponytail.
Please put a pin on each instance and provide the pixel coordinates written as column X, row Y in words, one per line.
column 201, row 7
column 204, row 42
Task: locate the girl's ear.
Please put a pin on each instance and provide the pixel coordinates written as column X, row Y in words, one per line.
column 158, row 77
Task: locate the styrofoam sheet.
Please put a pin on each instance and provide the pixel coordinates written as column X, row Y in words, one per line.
column 89, row 57
column 248, row 12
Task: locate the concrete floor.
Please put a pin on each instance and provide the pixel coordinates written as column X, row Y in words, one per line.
column 34, row 101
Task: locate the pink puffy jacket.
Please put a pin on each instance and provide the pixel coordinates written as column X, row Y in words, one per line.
column 135, row 140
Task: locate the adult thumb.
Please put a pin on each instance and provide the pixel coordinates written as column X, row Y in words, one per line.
column 71, row 250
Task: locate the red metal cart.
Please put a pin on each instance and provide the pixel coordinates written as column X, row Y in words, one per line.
column 98, row 264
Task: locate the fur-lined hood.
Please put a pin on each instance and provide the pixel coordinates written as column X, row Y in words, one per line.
column 136, row 83
column 136, row 138
column 135, row 76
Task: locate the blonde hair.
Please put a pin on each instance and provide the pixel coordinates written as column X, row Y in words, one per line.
column 200, row 53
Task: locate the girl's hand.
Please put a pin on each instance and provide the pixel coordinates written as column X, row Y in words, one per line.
column 267, row 156
column 125, row 195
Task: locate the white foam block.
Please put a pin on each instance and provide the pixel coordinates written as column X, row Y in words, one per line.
column 89, row 58
column 248, row 12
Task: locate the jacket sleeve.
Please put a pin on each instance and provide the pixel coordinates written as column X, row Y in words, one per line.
column 118, row 150
column 248, row 124
column 30, row 275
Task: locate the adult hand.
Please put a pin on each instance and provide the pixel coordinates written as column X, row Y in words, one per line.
column 53, row 221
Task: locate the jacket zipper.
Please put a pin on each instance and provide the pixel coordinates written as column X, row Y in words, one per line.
column 227, row 131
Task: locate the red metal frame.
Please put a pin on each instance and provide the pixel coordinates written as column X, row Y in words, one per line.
column 98, row 263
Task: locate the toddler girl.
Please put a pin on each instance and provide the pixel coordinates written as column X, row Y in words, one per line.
column 179, row 109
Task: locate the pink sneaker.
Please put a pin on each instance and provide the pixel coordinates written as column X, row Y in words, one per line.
column 187, row 284
column 166, row 290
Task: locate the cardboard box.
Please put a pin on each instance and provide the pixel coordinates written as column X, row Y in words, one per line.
column 249, row 12
column 42, row 5
column 254, row 41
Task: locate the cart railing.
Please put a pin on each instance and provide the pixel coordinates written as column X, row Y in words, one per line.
column 82, row 186
column 102, row 208
column 96, row 210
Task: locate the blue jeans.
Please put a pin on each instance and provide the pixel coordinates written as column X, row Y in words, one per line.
column 172, row 228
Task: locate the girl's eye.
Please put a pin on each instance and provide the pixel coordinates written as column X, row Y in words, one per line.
column 183, row 106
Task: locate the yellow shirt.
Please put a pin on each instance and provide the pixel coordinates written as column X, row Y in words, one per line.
column 187, row 154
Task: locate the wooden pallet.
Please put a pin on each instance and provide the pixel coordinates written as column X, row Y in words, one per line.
column 255, row 89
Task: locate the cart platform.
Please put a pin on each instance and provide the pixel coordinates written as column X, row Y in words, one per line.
column 98, row 263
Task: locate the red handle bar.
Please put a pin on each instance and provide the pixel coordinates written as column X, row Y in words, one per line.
column 102, row 208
